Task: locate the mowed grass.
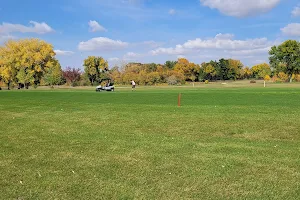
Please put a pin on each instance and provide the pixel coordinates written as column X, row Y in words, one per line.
column 233, row 143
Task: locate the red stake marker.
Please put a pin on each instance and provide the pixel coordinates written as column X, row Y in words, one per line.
column 179, row 100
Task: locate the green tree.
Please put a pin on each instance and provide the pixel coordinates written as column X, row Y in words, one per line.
column 54, row 74
column 96, row 69
column 170, row 64
column 223, row 69
column 288, row 54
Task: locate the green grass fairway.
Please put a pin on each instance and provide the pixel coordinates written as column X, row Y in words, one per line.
column 230, row 143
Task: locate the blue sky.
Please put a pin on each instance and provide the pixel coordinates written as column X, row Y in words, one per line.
column 146, row 31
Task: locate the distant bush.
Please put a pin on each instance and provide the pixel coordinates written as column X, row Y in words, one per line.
column 173, row 80
column 297, row 77
column 252, row 81
column 275, row 79
column 283, row 77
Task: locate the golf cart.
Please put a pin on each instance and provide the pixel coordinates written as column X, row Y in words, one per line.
column 109, row 86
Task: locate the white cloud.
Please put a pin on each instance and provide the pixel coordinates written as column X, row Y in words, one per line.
column 259, row 61
column 131, row 56
column 35, row 27
column 291, row 29
column 5, row 38
column 95, row 26
column 180, row 56
column 102, row 44
column 179, row 49
column 296, row 12
column 223, row 42
column 250, row 51
column 63, row 53
column 114, row 59
column 241, row 8
column 172, row 11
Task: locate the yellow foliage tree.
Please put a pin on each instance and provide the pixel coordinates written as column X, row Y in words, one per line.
column 267, row 78
column 247, row 73
column 209, row 71
column 95, row 68
column 188, row 69
column 235, row 69
column 31, row 56
column 261, row 70
column 283, row 77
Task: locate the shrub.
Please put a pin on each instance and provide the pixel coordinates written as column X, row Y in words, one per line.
column 297, row 77
column 283, row 77
column 172, row 80
column 275, row 79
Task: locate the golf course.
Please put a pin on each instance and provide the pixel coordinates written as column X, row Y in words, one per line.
column 221, row 143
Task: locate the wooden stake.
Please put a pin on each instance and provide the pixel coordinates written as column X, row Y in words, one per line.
column 179, row 100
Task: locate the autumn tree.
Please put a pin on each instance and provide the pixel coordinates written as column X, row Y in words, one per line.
column 25, row 77
column 188, row 69
column 115, row 75
column 235, row 69
column 8, row 74
column 30, row 57
column 72, row 75
column 247, row 73
column 261, row 70
column 288, row 54
column 96, row 69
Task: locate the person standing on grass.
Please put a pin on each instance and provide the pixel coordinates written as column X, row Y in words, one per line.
column 133, row 84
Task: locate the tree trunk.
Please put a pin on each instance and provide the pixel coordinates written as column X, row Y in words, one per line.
column 291, row 78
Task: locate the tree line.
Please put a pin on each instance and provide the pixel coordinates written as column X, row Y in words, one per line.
column 32, row 62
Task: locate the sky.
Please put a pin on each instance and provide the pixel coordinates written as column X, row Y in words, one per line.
column 146, row 31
